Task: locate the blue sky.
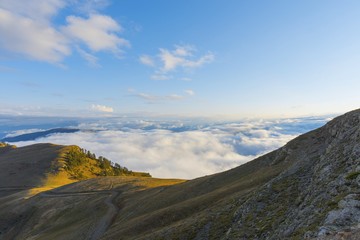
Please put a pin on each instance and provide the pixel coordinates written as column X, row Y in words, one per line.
column 188, row 58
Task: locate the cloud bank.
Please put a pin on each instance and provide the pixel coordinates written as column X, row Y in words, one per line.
column 182, row 149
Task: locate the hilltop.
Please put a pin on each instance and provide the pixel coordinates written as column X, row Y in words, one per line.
column 46, row 166
column 308, row 189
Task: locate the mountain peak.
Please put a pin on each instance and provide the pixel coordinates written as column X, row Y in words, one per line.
column 340, row 126
column 318, row 194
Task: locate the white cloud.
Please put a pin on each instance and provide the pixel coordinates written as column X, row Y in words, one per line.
column 164, row 153
column 259, row 141
column 171, row 60
column 147, row 60
column 102, row 108
column 184, row 50
column 40, row 10
column 34, row 39
column 28, row 30
column 208, row 58
column 181, row 57
column 98, row 32
column 177, row 149
column 190, row 92
column 160, row 152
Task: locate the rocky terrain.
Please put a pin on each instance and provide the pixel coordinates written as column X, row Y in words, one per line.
column 308, row 189
column 317, row 196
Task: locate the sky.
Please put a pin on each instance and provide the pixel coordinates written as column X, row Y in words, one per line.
column 191, row 58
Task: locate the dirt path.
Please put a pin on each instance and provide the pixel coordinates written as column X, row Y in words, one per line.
column 72, row 194
column 107, row 220
column 103, row 223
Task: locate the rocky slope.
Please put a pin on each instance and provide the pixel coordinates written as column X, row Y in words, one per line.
column 317, row 196
column 307, row 189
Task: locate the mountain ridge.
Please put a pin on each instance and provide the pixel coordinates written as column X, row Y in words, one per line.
column 44, row 166
column 307, row 189
column 331, row 162
column 38, row 134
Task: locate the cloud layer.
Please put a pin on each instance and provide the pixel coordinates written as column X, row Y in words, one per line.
column 182, row 149
column 160, row 152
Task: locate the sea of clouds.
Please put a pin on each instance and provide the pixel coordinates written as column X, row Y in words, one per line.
column 180, row 148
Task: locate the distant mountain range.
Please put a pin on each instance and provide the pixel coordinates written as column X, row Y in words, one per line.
column 308, row 189
column 40, row 134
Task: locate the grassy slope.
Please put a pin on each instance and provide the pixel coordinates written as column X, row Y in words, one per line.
column 41, row 167
column 149, row 208
column 65, row 212
column 31, row 166
column 187, row 207
column 25, row 212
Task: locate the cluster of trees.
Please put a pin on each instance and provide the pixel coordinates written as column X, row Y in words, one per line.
column 4, row 144
column 76, row 158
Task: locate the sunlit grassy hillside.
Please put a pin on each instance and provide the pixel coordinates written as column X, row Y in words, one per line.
column 42, row 167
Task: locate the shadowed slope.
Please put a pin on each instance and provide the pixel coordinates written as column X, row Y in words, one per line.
column 28, row 166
